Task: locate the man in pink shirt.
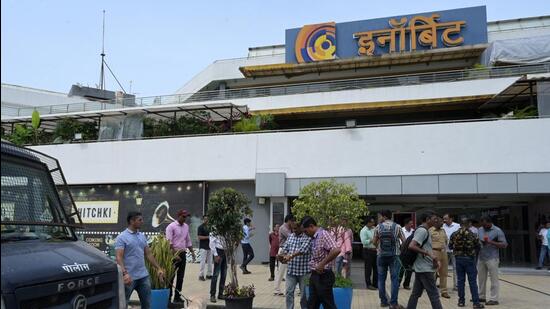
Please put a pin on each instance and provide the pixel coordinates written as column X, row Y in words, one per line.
column 344, row 240
column 177, row 233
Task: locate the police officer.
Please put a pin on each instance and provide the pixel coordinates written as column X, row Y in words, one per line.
column 439, row 247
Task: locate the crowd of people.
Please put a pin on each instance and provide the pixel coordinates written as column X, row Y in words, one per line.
column 302, row 252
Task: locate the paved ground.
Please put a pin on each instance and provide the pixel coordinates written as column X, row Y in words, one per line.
column 516, row 290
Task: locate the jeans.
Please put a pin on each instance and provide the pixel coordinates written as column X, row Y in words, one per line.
column 291, row 282
column 384, row 263
column 248, row 254
column 220, row 269
column 180, row 273
column 544, row 251
column 451, row 261
column 369, row 255
column 424, row 281
column 206, row 259
column 143, row 287
column 490, row 268
column 466, row 266
column 272, row 260
column 339, row 265
column 320, row 290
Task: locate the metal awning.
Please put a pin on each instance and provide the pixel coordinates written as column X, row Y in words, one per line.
column 421, row 56
column 213, row 111
column 521, row 90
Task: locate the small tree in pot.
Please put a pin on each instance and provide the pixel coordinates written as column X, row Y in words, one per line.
column 226, row 210
column 336, row 207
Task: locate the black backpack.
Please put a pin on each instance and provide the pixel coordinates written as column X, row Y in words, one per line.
column 408, row 256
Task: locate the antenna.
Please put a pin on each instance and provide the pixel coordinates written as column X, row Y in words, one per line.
column 104, row 63
column 102, row 72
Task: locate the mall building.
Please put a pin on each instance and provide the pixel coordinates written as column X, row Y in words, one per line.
column 440, row 110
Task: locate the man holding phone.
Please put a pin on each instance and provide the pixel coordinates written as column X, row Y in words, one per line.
column 492, row 239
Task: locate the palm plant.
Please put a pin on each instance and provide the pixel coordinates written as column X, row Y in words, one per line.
column 160, row 247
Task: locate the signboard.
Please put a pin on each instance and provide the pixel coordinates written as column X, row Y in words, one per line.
column 98, row 212
column 104, row 208
column 376, row 37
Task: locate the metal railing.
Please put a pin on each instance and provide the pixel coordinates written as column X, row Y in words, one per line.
column 312, row 87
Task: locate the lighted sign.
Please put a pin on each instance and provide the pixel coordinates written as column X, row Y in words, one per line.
column 380, row 36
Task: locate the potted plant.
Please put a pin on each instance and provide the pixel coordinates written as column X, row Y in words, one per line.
column 160, row 287
column 226, row 210
column 336, row 207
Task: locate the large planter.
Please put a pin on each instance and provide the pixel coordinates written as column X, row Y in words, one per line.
column 160, row 298
column 239, row 303
column 342, row 297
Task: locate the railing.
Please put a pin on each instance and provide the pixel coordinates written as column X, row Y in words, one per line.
column 315, row 87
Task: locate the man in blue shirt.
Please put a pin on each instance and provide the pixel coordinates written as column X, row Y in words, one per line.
column 131, row 250
column 248, row 252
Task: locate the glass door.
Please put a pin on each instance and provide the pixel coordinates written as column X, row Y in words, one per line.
column 278, row 211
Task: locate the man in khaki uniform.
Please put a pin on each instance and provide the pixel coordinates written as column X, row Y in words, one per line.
column 439, row 247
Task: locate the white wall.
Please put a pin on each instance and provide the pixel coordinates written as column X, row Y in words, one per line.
column 477, row 147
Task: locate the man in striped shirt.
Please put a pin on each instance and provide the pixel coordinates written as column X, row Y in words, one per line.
column 296, row 252
column 323, row 252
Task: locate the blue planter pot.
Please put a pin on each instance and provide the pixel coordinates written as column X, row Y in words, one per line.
column 159, row 298
column 342, row 297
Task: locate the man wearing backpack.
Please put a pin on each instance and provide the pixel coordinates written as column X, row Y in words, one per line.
column 425, row 264
column 386, row 237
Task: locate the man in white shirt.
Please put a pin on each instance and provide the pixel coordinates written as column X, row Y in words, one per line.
column 544, row 249
column 408, row 230
column 217, row 247
column 450, row 227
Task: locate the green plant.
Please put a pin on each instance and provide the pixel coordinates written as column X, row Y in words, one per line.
column 333, row 205
column 255, row 123
column 340, row 282
column 226, row 210
column 67, row 128
column 526, row 112
column 21, row 135
column 160, row 248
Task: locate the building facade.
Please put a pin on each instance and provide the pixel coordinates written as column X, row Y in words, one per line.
column 439, row 110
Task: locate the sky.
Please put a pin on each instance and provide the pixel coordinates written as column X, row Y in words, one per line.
column 155, row 47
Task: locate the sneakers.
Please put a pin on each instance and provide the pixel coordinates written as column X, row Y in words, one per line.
column 445, row 295
column 491, row 303
column 407, row 287
column 208, row 277
column 245, row 271
column 213, row 299
column 270, row 279
column 221, row 297
column 384, row 305
column 201, row 278
column 478, row 306
column 461, row 304
column 370, row 287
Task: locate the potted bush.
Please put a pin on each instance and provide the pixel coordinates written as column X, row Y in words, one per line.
column 226, row 210
column 336, row 207
column 160, row 287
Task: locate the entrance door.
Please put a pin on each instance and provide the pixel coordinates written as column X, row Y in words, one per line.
column 278, row 211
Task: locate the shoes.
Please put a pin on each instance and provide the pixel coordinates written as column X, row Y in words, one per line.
column 201, row 278
column 461, row 304
column 177, row 300
column 278, row 294
column 478, row 306
column 212, row 299
column 491, row 303
column 538, row 268
column 482, row 300
column 208, row 277
column 384, row 305
column 445, row 295
column 283, row 279
column 271, row 279
column 407, row 287
column 370, row 287
column 246, row 272
column 221, row 297
column 397, row 307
